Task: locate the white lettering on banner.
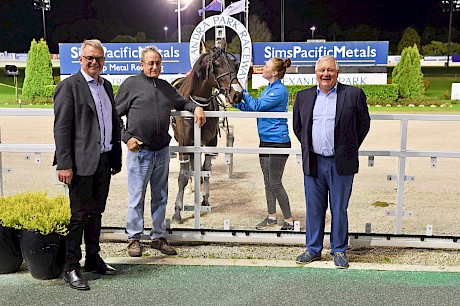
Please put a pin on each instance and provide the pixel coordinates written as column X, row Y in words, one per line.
column 128, row 52
column 297, row 53
column 310, row 79
column 241, row 31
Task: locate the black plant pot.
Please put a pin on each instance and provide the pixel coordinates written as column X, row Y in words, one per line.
column 44, row 254
column 10, row 252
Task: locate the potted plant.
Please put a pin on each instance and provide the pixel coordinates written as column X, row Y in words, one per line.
column 10, row 251
column 42, row 222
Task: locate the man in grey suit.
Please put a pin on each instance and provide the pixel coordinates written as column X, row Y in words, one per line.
column 88, row 152
column 331, row 121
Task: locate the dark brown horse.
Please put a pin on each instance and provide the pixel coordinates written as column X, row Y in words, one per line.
column 213, row 73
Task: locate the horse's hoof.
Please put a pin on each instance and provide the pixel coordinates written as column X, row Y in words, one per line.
column 176, row 219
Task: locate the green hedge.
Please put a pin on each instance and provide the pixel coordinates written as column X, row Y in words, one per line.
column 374, row 93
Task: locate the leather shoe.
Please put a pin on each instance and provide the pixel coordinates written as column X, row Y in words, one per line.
column 100, row 267
column 75, row 280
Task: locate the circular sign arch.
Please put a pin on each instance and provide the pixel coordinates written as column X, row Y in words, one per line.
column 240, row 30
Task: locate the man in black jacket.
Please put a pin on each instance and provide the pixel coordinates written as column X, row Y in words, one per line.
column 147, row 101
column 331, row 122
column 88, row 152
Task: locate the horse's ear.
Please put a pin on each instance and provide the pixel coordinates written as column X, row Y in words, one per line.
column 204, row 47
column 223, row 44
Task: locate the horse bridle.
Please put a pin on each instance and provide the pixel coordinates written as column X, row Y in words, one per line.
column 203, row 102
column 221, row 52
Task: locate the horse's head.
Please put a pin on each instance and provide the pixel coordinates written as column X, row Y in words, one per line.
column 223, row 69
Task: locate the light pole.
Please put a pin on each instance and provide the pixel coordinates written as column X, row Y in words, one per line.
column 178, row 10
column 44, row 5
column 450, row 6
column 313, row 28
column 282, row 20
column 166, row 33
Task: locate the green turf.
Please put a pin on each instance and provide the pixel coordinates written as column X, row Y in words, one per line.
column 233, row 285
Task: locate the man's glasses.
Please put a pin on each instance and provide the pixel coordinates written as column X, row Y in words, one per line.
column 152, row 63
column 92, row 58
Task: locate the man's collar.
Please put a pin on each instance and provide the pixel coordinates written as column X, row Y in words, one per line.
column 89, row 78
column 334, row 89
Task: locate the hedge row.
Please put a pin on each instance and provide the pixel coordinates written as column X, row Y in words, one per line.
column 374, row 93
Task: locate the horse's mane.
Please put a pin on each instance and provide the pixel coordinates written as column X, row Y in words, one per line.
column 192, row 80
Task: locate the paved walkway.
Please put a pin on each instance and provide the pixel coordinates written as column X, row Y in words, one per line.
column 180, row 281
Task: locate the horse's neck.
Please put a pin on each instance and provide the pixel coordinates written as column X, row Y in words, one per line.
column 204, row 91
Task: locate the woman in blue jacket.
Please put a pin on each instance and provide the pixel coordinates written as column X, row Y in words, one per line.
column 273, row 133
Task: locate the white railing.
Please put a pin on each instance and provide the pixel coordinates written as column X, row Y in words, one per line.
column 402, row 153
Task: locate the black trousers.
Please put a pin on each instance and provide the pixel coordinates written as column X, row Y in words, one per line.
column 88, row 197
column 272, row 166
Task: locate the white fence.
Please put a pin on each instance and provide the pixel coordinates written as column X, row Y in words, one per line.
column 402, row 154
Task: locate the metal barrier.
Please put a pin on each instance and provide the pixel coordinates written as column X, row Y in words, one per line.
column 402, row 154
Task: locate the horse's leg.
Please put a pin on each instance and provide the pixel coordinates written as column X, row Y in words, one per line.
column 182, row 181
column 190, row 185
column 206, row 167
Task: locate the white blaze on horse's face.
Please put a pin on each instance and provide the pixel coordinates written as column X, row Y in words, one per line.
column 151, row 65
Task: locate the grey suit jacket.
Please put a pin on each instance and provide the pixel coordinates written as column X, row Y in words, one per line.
column 76, row 127
column 352, row 123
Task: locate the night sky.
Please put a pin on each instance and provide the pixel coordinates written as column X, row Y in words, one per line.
column 20, row 22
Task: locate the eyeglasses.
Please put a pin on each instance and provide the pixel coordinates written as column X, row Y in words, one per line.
column 92, row 58
column 152, row 63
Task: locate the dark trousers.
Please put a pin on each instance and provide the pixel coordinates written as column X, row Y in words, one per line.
column 327, row 184
column 88, row 197
column 272, row 166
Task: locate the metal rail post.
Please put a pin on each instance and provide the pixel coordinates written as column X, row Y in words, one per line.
column 197, row 173
column 401, row 178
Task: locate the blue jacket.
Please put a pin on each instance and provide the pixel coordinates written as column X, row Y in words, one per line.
column 274, row 98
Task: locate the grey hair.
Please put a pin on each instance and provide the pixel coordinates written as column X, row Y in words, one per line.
column 327, row 58
column 149, row 49
column 96, row 43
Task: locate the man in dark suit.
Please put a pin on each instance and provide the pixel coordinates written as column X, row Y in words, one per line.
column 331, row 122
column 88, row 152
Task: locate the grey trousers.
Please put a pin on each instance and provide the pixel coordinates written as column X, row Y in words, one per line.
column 273, row 168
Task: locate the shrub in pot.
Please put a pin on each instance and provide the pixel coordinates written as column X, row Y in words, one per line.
column 43, row 223
column 10, row 251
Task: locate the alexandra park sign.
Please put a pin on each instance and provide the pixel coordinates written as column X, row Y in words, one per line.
column 238, row 28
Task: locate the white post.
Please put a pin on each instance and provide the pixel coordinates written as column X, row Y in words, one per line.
column 401, row 179
column 197, row 173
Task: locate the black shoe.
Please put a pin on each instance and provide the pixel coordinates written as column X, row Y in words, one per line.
column 75, row 280
column 287, row 226
column 267, row 222
column 99, row 266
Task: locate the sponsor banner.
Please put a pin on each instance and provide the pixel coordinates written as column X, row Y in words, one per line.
column 307, row 53
column 118, row 79
column 123, row 58
column 7, row 56
column 21, row 56
column 310, row 79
